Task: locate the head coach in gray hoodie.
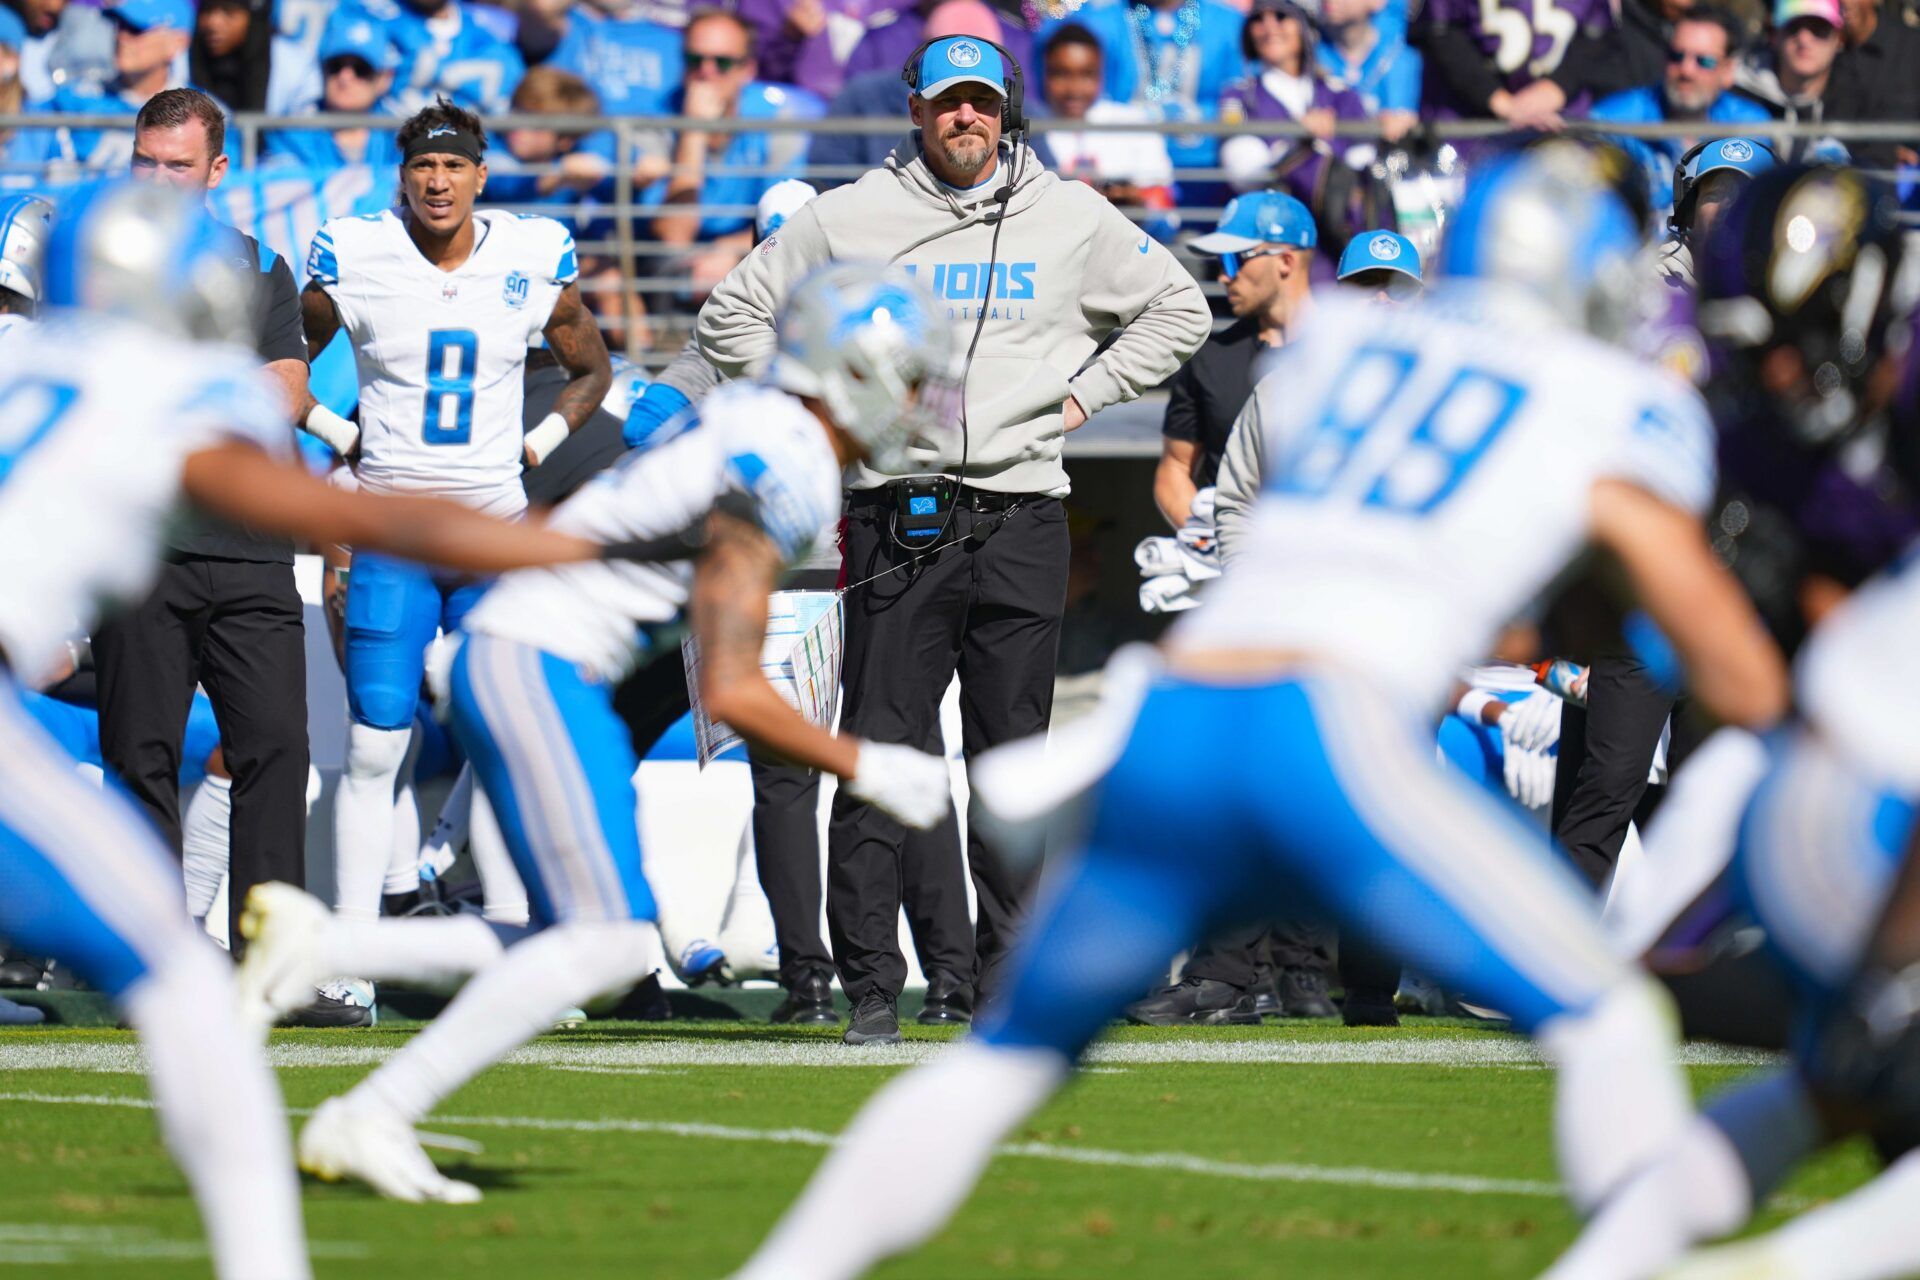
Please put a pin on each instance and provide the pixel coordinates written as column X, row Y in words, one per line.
column 969, row 576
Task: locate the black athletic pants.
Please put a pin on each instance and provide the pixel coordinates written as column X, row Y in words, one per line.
column 1605, row 753
column 235, row 627
column 1234, row 957
column 990, row 609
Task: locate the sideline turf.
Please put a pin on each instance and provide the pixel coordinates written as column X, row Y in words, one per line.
column 87, row 1190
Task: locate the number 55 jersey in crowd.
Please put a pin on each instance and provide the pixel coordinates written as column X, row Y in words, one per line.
column 1427, row 470
column 441, row 354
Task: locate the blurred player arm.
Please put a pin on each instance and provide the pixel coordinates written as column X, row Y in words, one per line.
column 1238, row 483
column 575, row 341
column 242, row 483
column 728, row 610
column 1733, row 666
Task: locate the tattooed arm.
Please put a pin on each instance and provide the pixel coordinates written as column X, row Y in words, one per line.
column 728, row 608
column 576, row 343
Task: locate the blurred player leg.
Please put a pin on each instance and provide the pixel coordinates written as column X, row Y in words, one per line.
column 85, row 882
column 403, row 860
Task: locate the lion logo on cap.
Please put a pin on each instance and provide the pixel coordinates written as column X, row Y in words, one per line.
column 1384, row 248
column 964, row 55
column 1736, row 151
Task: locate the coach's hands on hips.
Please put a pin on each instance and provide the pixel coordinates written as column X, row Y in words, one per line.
column 1072, row 416
column 913, row 786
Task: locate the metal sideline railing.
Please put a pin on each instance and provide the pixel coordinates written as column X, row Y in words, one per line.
column 638, row 137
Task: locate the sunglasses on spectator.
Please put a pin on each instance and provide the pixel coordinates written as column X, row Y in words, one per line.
column 1818, row 28
column 1230, row 263
column 1705, row 61
column 721, row 62
column 1397, row 285
column 360, row 68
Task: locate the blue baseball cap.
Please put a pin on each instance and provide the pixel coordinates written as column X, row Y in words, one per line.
column 145, row 15
column 355, row 35
column 1381, row 250
column 13, row 32
column 1260, row 218
column 957, row 60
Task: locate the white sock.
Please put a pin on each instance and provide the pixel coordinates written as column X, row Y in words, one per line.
column 403, row 863
column 908, row 1161
column 1697, row 1190
column 1619, row 1098
column 205, row 842
column 435, row 951
column 1872, row 1234
column 505, row 895
column 363, row 817
column 221, row 1115
column 507, row 1004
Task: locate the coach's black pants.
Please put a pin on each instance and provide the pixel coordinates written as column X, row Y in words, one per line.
column 1235, row 957
column 990, row 609
column 235, row 627
column 1605, row 753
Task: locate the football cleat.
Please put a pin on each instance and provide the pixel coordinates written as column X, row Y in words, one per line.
column 281, row 970
column 345, row 1139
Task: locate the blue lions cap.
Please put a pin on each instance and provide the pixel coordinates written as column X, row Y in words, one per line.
column 1260, row 218
column 145, row 15
column 957, row 60
column 13, row 32
column 351, row 34
column 1379, row 251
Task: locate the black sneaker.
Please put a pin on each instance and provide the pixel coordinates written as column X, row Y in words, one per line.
column 809, row 1003
column 329, row 1011
column 1369, row 1013
column 949, row 1002
column 1195, row 1002
column 1303, row 994
column 874, row 1021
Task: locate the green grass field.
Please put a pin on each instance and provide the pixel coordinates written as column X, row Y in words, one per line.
column 666, row 1150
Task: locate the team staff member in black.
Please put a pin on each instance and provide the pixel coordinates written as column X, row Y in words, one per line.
column 224, row 611
column 1036, row 272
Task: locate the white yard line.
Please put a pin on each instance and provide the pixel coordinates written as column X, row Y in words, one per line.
column 1502, row 1052
column 1176, row 1161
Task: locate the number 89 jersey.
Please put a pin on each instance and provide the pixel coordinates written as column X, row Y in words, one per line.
column 1427, row 471
column 441, row 354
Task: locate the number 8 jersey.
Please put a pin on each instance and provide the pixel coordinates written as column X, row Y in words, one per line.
column 441, row 354
column 1426, row 471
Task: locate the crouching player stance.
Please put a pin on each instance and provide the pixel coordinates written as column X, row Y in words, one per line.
column 1432, row 469
column 865, row 362
column 113, row 408
column 1809, row 297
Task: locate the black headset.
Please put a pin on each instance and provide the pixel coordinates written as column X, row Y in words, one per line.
column 1013, row 109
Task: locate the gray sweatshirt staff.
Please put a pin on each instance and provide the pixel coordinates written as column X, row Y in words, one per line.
column 1071, row 269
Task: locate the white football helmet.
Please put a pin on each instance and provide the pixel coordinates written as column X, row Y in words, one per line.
column 24, row 223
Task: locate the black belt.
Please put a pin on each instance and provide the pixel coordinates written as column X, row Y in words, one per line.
column 980, row 501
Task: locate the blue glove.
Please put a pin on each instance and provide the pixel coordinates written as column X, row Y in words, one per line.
column 658, row 403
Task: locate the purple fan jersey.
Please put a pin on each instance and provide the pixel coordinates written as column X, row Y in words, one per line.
column 1523, row 39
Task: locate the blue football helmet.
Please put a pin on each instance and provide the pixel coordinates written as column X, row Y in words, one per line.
column 25, row 221
column 875, row 347
column 143, row 252
column 1544, row 221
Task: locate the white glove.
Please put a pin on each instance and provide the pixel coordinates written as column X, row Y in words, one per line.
column 1533, row 723
column 1529, row 777
column 1169, row 593
column 439, row 673
column 913, row 786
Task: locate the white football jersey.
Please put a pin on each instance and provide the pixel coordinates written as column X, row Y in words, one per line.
column 441, row 354
column 1427, row 473
column 1855, row 679
column 97, row 418
column 12, row 325
column 751, row 440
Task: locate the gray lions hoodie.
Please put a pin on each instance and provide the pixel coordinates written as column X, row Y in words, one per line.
column 1071, row 269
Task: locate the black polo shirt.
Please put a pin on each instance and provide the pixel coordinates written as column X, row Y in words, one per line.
column 1208, row 393
column 278, row 334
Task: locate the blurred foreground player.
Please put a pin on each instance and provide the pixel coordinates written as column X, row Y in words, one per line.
column 866, row 361
column 1810, row 300
column 115, row 407
column 1436, row 466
